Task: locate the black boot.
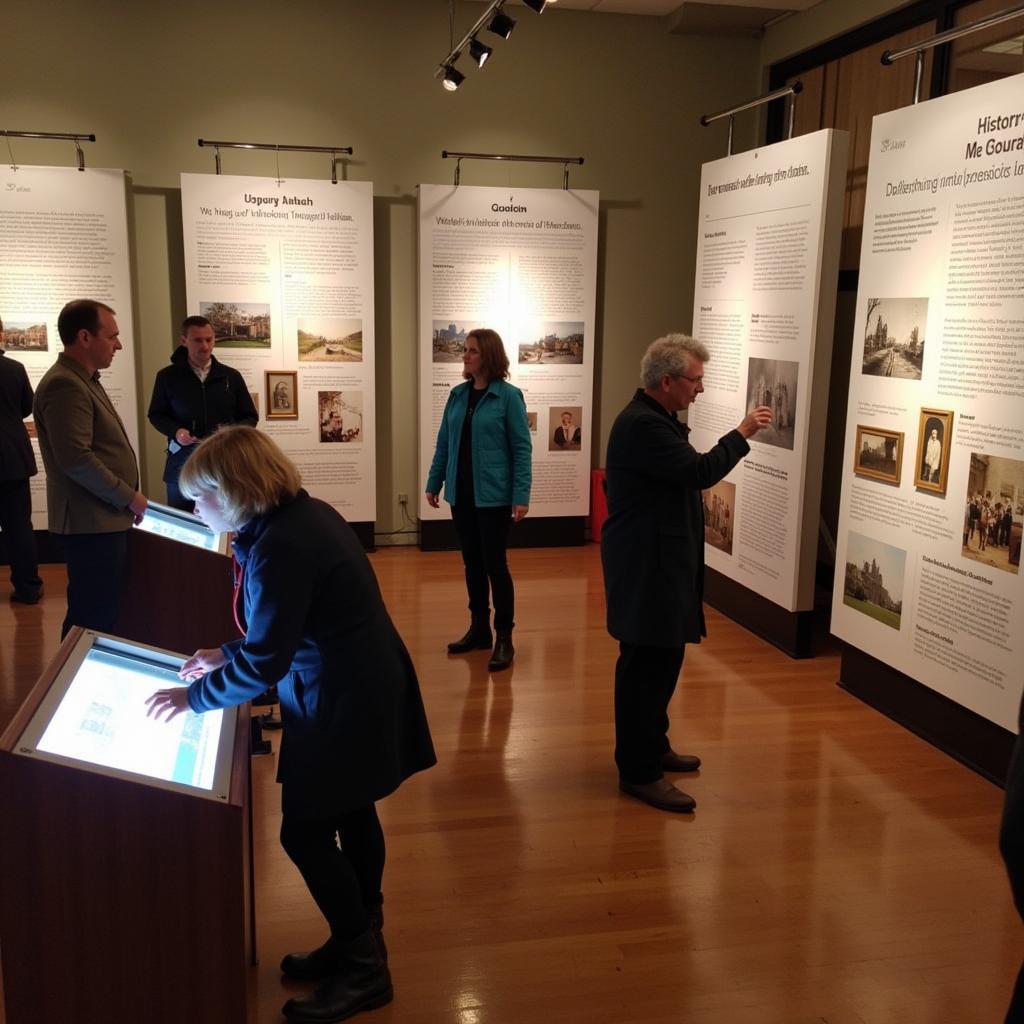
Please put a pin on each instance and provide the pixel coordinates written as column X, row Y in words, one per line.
column 377, row 927
column 504, row 652
column 477, row 638
column 362, row 982
column 312, row 966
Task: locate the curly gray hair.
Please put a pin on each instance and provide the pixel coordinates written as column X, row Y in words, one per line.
column 672, row 356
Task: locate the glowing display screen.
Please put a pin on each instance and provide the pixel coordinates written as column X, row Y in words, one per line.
column 101, row 720
column 179, row 526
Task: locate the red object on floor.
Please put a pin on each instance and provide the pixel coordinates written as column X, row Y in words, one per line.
column 598, row 504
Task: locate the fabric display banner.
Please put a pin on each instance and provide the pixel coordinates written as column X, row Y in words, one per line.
column 64, row 236
column 928, row 554
column 768, row 240
column 284, row 272
column 524, row 263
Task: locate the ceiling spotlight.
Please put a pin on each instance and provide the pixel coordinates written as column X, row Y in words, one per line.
column 453, row 78
column 479, row 52
column 501, row 25
column 536, row 5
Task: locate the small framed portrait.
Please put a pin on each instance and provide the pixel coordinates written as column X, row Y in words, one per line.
column 282, row 394
column 934, row 436
column 878, row 454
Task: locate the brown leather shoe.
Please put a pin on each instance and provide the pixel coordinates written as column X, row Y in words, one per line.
column 661, row 794
column 673, row 762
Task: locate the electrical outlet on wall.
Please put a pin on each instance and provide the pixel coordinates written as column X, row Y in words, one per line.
column 403, row 498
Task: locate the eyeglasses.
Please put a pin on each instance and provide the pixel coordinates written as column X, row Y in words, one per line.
column 692, row 380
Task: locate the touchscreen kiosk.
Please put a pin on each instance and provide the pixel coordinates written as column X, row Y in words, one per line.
column 94, row 716
column 126, row 854
column 183, row 527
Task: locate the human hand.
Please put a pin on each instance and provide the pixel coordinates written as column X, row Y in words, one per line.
column 173, row 701
column 184, row 437
column 519, row 512
column 206, row 659
column 755, row 420
column 137, row 506
column 432, row 500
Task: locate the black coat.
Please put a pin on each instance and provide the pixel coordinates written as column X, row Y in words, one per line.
column 354, row 724
column 181, row 399
column 16, row 459
column 652, row 544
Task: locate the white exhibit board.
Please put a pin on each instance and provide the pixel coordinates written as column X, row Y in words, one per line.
column 284, row 272
column 770, row 226
column 935, row 426
column 63, row 236
column 524, row 263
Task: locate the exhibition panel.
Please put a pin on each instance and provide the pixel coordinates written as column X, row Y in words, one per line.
column 524, row 263
column 63, row 236
column 283, row 269
column 183, row 527
column 928, row 553
column 764, row 304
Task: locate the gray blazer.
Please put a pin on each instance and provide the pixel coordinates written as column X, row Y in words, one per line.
column 91, row 470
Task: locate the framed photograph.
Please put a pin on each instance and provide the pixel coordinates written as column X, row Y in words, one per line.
column 878, row 454
column 934, row 436
column 282, row 393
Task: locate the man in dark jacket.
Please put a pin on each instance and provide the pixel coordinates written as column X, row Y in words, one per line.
column 17, row 465
column 652, row 550
column 194, row 396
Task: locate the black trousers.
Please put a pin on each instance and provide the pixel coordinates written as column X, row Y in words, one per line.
column 341, row 860
column 1011, row 845
column 483, row 537
column 172, row 468
column 96, row 564
column 645, row 679
column 16, row 523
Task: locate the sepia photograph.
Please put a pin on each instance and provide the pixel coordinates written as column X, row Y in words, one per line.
column 720, row 515
column 282, row 391
column 239, row 324
column 773, row 382
column 894, row 338
column 449, row 340
column 329, row 339
column 994, row 512
column 934, row 434
column 531, row 421
column 341, row 416
column 555, row 342
column 874, row 579
column 564, row 431
column 878, row 454
column 25, row 336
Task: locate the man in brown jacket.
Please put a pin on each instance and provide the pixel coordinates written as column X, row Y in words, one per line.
column 92, row 474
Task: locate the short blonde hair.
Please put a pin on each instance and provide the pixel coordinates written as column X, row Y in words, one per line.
column 245, row 469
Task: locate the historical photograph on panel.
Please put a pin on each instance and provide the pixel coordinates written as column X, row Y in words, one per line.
column 239, row 324
column 878, row 454
column 282, row 388
column 329, row 339
column 934, row 435
column 449, row 340
column 874, row 579
column 994, row 511
column 531, row 421
column 564, row 434
column 894, row 337
column 773, row 382
column 720, row 515
column 555, row 341
column 341, row 416
column 24, row 336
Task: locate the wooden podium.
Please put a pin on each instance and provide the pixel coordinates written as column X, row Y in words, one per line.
column 176, row 595
column 122, row 899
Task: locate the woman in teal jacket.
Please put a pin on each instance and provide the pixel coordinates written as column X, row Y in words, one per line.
column 484, row 459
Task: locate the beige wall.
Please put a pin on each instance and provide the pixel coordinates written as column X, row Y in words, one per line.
column 621, row 91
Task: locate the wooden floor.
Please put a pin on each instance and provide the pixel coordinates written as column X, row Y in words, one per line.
column 838, row 869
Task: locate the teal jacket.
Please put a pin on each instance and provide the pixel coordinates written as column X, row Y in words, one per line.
column 502, row 449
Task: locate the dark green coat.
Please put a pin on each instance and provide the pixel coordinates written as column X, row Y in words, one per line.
column 652, row 544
